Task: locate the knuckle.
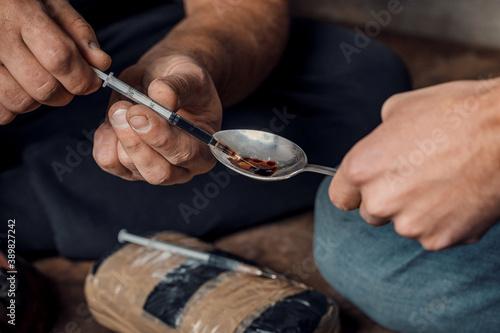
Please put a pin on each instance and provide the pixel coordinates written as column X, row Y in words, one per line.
column 47, row 91
column 59, row 58
column 19, row 101
column 181, row 157
column 158, row 141
column 157, row 177
column 83, row 87
column 356, row 170
column 25, row 104
column 105, row 161
column 407, row 227
column 132, row 145
column 375, row 208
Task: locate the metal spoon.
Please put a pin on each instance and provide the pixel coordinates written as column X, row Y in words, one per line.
column 289, row 157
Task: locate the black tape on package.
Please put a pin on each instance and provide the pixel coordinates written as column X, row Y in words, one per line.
column 137, row 289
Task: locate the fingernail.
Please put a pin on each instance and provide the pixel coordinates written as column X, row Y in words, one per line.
column 140, row 123
column 93, row 45
column 119, row 119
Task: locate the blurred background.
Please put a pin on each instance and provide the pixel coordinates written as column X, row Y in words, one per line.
column 439, row 40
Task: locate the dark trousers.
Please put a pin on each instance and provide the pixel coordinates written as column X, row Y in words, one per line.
column 62, row 200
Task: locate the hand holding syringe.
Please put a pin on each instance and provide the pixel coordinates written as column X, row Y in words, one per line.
column 273, row 157
column 169, row 115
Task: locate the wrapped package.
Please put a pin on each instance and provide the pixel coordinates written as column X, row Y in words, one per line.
column 136, row 289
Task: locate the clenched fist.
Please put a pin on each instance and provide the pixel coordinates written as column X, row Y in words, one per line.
column 432, row 167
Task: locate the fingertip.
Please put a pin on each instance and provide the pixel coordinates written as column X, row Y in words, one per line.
column 342, row 194
column 164, row 93
column 96, row 57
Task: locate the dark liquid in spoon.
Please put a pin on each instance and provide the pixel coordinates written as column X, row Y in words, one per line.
column 254, row 165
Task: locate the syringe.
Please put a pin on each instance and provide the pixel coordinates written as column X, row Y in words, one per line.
column 170, row 116
column 204, row 257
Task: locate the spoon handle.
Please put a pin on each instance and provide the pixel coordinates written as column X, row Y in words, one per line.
column 320, row 169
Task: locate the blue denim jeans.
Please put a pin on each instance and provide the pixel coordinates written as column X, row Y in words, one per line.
column 399, row 284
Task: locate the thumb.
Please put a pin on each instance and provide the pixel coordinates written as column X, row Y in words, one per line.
column 186, row 84
column 80, row 32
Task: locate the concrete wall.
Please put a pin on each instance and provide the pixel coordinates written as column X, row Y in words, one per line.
column 464, row 21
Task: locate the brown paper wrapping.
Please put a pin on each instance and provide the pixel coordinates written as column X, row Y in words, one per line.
column 229, row 303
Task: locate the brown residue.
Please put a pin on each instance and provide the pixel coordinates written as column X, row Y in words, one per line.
column 254, row 165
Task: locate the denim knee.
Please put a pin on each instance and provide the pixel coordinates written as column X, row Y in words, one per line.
column 399, row 284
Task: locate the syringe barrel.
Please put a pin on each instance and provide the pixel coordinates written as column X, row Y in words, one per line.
column 162, row 111
column 192, row 129
column 137, row 96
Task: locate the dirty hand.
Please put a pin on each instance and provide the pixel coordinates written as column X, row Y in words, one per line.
column 136, row 144
column 432, row 167
column 46, row 48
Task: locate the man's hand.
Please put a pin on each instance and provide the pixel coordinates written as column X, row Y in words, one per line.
column 432, row 166
column 207, row 60
column 45, row 51
column 136, row 144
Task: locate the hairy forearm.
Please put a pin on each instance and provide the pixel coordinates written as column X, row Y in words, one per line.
column 239, row 45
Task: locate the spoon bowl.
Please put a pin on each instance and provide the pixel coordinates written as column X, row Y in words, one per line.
column 289, row 157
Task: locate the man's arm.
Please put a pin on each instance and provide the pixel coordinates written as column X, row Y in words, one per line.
column 237, row 44
column 211, row 58
column 432, row 167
